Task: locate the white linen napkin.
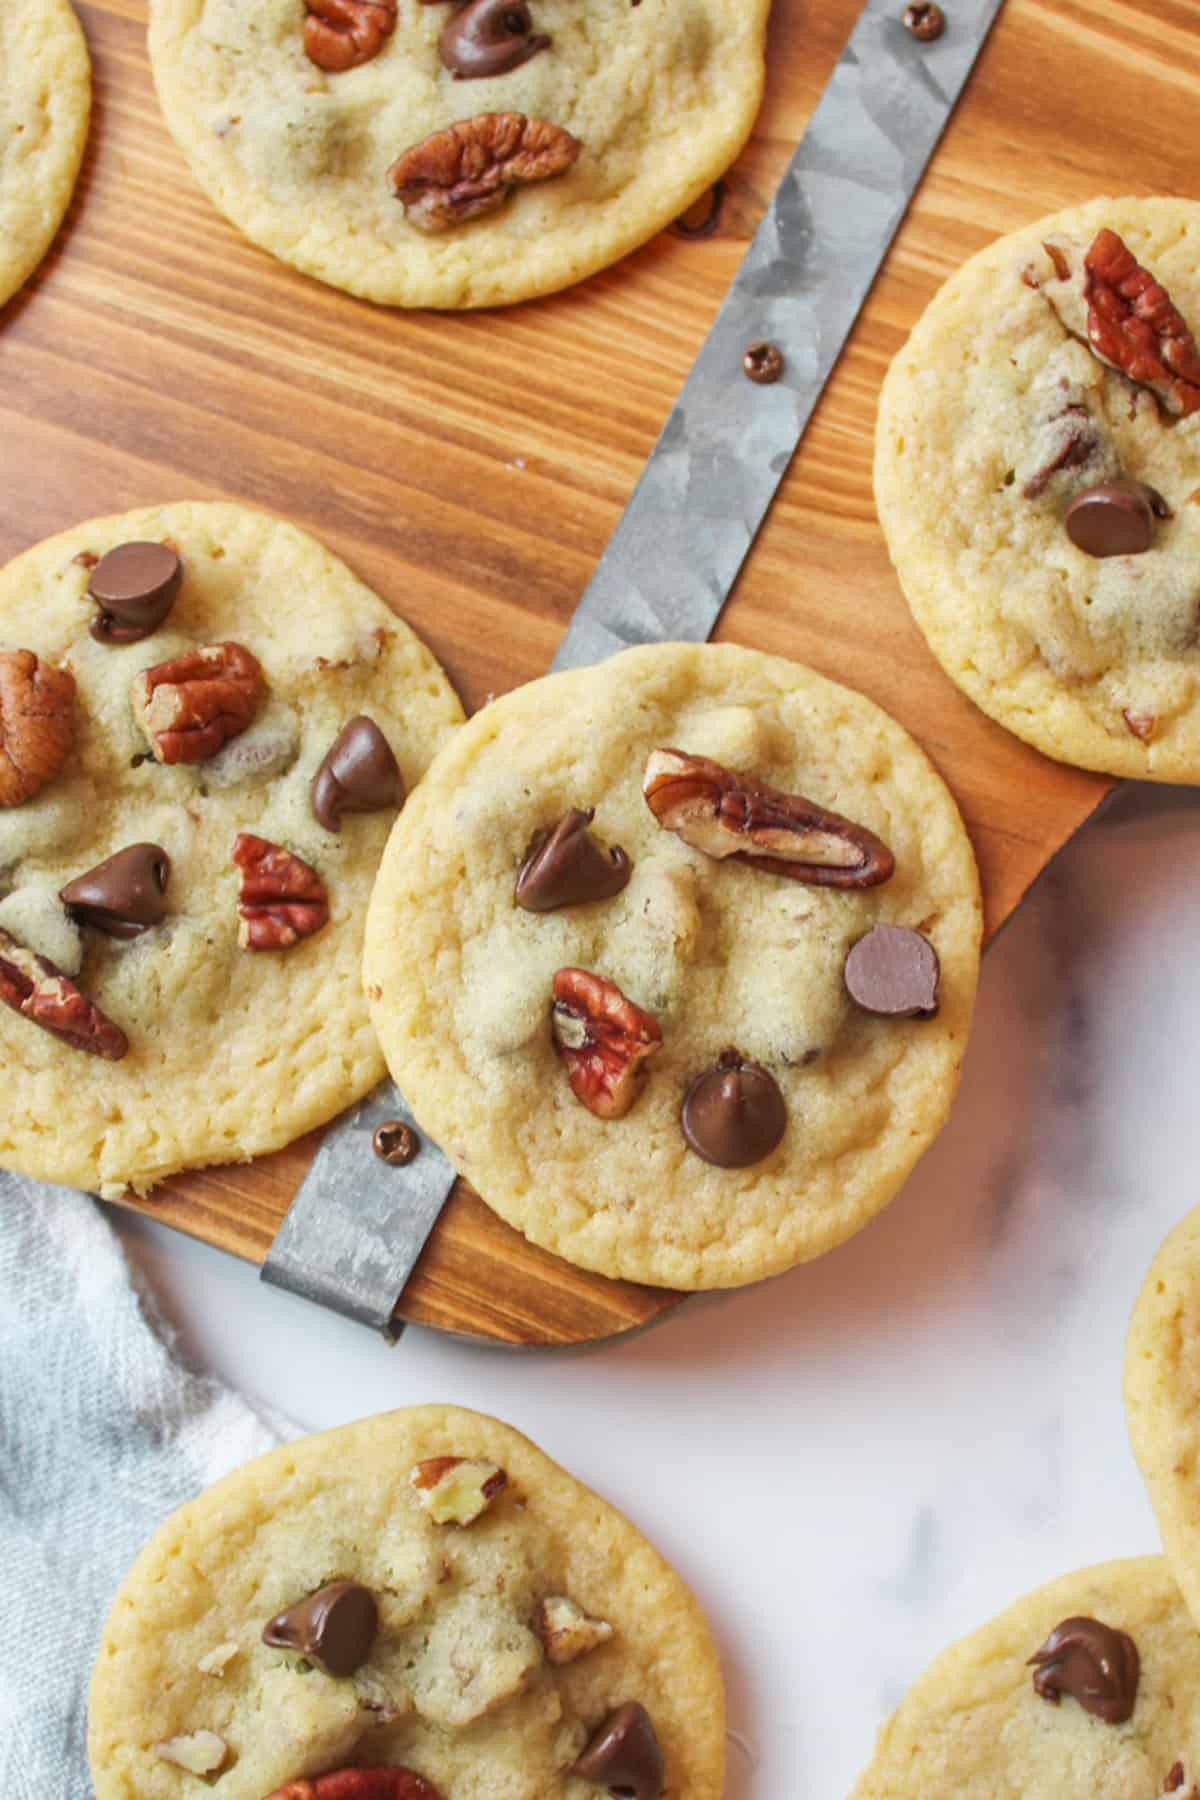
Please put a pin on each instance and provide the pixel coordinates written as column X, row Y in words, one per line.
column 102, row 1433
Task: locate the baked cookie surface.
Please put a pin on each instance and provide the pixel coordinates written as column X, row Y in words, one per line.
column 45, row 102
column 974, row 1727
column 1162, row 1398
column 477, row 1001
column 239, row 1005
column 657, row 98
column 1003, row 409
column 470, row 1678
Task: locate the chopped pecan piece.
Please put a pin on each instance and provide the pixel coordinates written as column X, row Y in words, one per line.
column 603, row 1039
column 36, row 988
column 725, row 814
column 37, row 724
column 281, row 898
column 1142, row 725
column 191, row 705
column 566, row 1631
column 200, row 1752
column 393, row 1783
column 1067, row 439
column 471, row 167
column 341, row 34
column 457, row 1490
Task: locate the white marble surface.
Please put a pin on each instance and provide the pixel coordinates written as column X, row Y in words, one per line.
column 861, row 1460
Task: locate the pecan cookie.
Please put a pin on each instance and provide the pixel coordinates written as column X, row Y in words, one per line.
column 675, row 957
column 431, row 153
column 1037, row 472
column 207, row 726
column 1083, row 1690
column 45, row 101
column 1162, row 1398
column 421, row 1606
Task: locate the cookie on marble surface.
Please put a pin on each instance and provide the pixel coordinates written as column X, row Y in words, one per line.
column 438, row 155
column 196, row 700
column 426, row 1591
column 650, row 1046
column 1040, row 505
column 1083, row 1690
column 45, row 102
column 1162, row 1398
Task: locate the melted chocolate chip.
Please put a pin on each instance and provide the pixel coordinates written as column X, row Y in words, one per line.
column 763, row 363
column 1092, row 1663
column 895, row 972
column 122, row 896
column 701, row 220
column 134, row 587
column 358, row 774
column 624, row 1755
column 334, row 1628
column 1114, row 519
column 924, row 20
column 733, row 1114
column 564, row 866
column 489, row 37
column 395, row 1143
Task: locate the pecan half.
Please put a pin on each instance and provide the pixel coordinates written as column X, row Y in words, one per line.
column 392, row 1783
column 281, row 898
column 190, row 706
column 37, row 724
column 725, row 814
column 37, row 989
column 341, row 34
column 471, row 167
column 603, row 1039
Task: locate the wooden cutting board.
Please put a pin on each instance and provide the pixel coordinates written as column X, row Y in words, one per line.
column 471, row 467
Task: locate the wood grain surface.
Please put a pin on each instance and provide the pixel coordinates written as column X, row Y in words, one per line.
column 471, row 467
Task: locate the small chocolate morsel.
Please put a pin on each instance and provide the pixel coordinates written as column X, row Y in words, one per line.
column 564, row 866
column 624, row 1755
column 395, row 1143
column 122, row 896
column 924, row 20
column 733, row 1114
column 489, row 37
column 763, row 363
column 334, row 1628
column 688, row 225
column 134, row 587
column 1092, row 1663
column 1114, row 519
column 358, row 774
column 893, row 971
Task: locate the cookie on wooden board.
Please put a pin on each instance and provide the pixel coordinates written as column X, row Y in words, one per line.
column 430, row 154
column 606, row 994
column 1037, row 473
column 197, row 702
column 422, row 1592
column 45, row 103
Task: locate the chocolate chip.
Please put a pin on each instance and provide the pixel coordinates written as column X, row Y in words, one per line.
column 564, row 866
column 334, row 1628
column 1114, row 519
column 893, row 971
column 763, row 363
column 489, row 37
column 358, row 774
column 624, row 1755
column 134, row 587
column 924, row 20
column 734, row 1113
column 122, row 896
column 700, row 220
column 395, row 1143
column 1092, row 1663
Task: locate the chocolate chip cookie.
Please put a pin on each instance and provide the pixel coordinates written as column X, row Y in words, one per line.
column 675, row 957
column 1037, row 473
column 439, row 154
column 421, row 1606
column 207, row 727
column 1083, row 1690
column 45, row 102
